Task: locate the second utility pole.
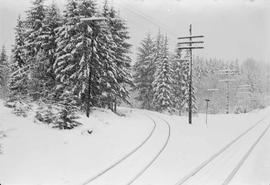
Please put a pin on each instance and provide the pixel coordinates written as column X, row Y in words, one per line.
column 228, row 73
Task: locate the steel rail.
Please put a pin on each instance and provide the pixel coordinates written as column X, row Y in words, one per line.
column 156, row 156
column 91, row 179
column 243, row 159
column 206, row 162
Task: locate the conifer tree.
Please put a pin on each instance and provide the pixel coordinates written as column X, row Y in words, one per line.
column 193, row 91
column 144, row 70
column 18, row 68
column 163, row 92
column 79, row 58
column 47, row 51
column 119, row 48
column 3, row 67
column 3, row 56
column 34, row 28
column 17, row 50
column 33, row 43
column 180, row 80
column 158, row 47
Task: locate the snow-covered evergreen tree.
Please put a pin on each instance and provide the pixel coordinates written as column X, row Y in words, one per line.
column 159, row 47
column 180, row 80
column 66, row 117
column 3, row 69
column 92, row 54
column 18, row 80
column 118, row 69
column 69, row 52
column 33, row 42
column 60, row 113
column 250, row 76
column 82, row 51
column 19, row 71
column 34, row 28
column 193, row 91
column 18, row 48
column 163, row 92
column 194, row 100
column 46, row 56
column 85, row 53
column 144, row 70
column 3, row 56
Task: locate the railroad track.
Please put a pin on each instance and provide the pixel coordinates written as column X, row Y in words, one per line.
column 216, row 162
column 156, row 156
column 131, row 153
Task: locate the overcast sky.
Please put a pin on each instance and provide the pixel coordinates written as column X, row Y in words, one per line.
column 233, row 29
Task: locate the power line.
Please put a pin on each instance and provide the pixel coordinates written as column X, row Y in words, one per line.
column 148, row 19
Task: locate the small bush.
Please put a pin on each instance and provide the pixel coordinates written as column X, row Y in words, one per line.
column 240, row 110
column 21, row 108
column 66, row 119
column 45, row 114
column 58, row 116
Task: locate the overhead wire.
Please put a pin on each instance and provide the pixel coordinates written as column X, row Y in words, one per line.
column 150, row 20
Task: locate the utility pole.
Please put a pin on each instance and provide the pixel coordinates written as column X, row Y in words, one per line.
column 93, row 36
column 189, row 45
column 207, row 100
column 211, row 91
column 244, row 91
column 228, row 74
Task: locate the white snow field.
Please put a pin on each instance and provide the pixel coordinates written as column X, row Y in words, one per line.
column 140, row 148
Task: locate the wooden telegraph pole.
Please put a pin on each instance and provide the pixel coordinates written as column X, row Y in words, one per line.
column 228, row 78
column 206, row 111
column 90, row 20
column 189, row 45
column 243, row 92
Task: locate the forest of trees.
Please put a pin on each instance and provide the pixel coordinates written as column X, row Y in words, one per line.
column 79, row 59
column 161, row 81
column 68, row 62
column 160, row 78
column 248, row 90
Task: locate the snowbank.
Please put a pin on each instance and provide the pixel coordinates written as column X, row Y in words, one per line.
column 37, row 154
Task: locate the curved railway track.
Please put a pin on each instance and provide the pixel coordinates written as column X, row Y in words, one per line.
column 129, row 154
column 195, row 171
column 156, row 156
column 91, row 179
column 210, row 160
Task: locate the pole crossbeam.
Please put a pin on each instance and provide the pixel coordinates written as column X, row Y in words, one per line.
column 212, row 89
column 192, row 47
column 228, row 72
column 192, row 42
column 227, row 80
column 191, row 36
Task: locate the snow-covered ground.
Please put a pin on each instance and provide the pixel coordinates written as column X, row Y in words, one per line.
column 37, row 154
